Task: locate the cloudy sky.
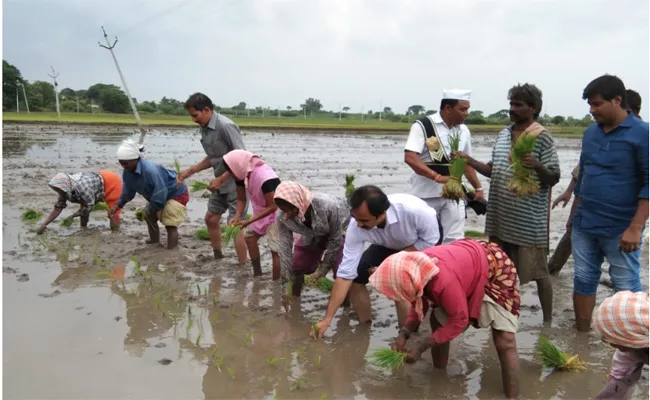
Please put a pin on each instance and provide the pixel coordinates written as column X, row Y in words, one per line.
column 355, row 53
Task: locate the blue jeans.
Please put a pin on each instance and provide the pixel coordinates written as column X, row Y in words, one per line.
column 589, row 252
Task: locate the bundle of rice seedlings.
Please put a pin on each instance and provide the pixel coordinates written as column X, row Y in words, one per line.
column 177, row 165
column 349, row 185
column 67, row 222
column 202, row 234
column 290, row 288
column 139, row 215
column 557, row 360
column 523, row 182
column 230, row 233
column 101, row 206
column 314, row 327
column 453, row 189
column 31, row 215
column 388, row 359
column 323, row 284
column 197, row 186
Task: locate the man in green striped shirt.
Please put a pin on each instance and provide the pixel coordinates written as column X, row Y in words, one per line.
column 520, row 226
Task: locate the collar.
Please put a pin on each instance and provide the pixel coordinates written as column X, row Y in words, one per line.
column 391, row 216
column 437, row 119
column 213, row 121
column 138, row 168
column 629, row 121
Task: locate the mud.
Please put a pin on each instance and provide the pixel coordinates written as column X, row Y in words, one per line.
column 179, row 325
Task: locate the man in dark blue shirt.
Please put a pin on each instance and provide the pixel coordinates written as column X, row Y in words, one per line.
column 157, row 184
column 610, row 208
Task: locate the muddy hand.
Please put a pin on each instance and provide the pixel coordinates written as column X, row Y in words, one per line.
column 399, row 343
column 183, row 175
column 41, row 229
column 630, row 240
column 321, row 327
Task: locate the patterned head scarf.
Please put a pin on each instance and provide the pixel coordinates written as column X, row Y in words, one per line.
column 296, row 195
column 241, row 163
column 622, row 320
column 64, row 182
column 403, row 276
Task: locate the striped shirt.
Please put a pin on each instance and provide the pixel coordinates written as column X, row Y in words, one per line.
column 522, row 222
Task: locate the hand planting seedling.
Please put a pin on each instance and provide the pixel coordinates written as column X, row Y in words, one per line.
column 139, row 215
column 230, row 233
column 453, row 189
column 202, row 234
column 524, row 182
column 388, row 359
column 557, row 360
column 349, row 185
column 101, row 206
column 197, row 186
column 323, row 284
column 314, row 327
column 177, row 165
column 67, row 222
column 31, row 216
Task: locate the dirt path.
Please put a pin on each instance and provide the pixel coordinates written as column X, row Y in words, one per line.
column 202, row 329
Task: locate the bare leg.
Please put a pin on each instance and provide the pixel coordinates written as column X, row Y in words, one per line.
column 440, row 353
column 172, row 237
column 360, row 299
column 152, row 226
column 240, row 248
column 560, row 255
column 276, row 265
column 545, row 293
column 252, row 242
column 506, row 345
column 584, row 309
column 212, row 220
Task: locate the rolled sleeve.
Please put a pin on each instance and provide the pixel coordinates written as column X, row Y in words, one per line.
column 352, row 252
column 285, row 249
column 642, row 166
column 415, row 141
column 426, row 225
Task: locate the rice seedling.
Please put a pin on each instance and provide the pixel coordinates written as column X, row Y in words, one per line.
column 299, row 383
column 139, row 215
column 317, row 361
column 136, row 264
column 252, row 320
column 197, row 186
column 323, row 284
column 177, row 165
column 524, row 182
column 31, row 216
column 453, row 189
column 323, row 396
column 101, row 206
column 300, row 353
column 273, row 361
column 231, row 371
column 198, row 340
column 314, row 327
column 290, row 288
column 557, row 360
column 248, row 338
column 158, row 300
column 388, row 359
column 229, row 234
column 349, row 185
column 202, row 234
column 67, row 222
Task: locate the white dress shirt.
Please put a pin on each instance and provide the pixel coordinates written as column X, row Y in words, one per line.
column 409, row 221
column 426, row 188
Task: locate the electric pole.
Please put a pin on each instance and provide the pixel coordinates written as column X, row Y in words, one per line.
column 340, row 110
column 17, row 101
column 56, row 92
column 24, row 94
column 381, row 109
column 110, row 48
column 77, row 97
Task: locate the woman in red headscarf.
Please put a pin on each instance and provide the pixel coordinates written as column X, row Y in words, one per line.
column 466, row 282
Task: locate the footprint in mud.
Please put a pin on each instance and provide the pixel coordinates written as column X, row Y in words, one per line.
column 23, row 278
column 165, row 361
column 118, row 318
column 49, row 295
column 160, row 345
column 7, row 270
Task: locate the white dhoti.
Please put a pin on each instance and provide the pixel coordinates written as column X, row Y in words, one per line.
column 452, row 217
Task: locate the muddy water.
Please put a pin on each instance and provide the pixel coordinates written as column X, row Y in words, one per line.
column 180, row 325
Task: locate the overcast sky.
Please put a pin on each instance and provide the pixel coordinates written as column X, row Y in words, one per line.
column 355, row 53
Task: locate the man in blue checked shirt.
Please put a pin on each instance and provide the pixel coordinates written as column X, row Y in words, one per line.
column 167, row 199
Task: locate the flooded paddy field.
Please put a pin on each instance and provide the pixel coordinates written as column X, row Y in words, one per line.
column 180, row 325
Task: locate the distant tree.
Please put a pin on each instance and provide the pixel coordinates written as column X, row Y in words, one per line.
column 311, row 105
column 475, row 118
column 415, row 110
column 557, row 120
column 288, row 108
column 430, row 112
column 370, row 112
column 500, row 115
column 587, row 120
column 69, row 94
column 10, row 76
column 241, row 105
column 41, row 95
column 346, row 109
column 388, row 110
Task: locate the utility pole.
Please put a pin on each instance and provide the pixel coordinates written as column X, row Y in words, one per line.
column 77, row 97
column 110, row 48
column 24, row 94
column 17, row 101
column 340, row 110
column 381, row 109
column 362, row 113
column 56, row 92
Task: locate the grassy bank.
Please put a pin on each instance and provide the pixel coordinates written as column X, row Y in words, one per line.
column 267, row 123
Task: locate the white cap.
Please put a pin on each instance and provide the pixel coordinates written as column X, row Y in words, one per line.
column 456, row 94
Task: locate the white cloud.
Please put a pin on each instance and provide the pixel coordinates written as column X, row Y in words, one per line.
column 358, row 53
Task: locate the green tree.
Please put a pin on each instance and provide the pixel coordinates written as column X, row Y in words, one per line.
column 113, row 100
column 10, row 76
column 557, row 120
column 388, row 110
column 311, row 105
column 68, row 93
column 430, row 112
column 346, row 109
column 475, row 118
column 41, row 95
column 415, row 110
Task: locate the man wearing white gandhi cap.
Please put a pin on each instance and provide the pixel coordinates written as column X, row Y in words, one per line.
column 157, row 184
column 428, row 152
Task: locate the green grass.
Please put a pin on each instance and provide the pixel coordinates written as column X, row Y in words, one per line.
column 474, row 234
column 352, row 123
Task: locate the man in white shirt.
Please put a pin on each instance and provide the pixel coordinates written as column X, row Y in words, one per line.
column 429, row 153
column 398, row 222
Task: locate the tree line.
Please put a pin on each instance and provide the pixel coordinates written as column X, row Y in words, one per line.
column 112, row 99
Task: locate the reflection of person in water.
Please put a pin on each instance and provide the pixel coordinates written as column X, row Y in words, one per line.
column 467, row 282
column 85, row 189
column 622, row 321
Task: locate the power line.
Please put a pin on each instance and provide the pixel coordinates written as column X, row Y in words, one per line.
column 151, row 18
